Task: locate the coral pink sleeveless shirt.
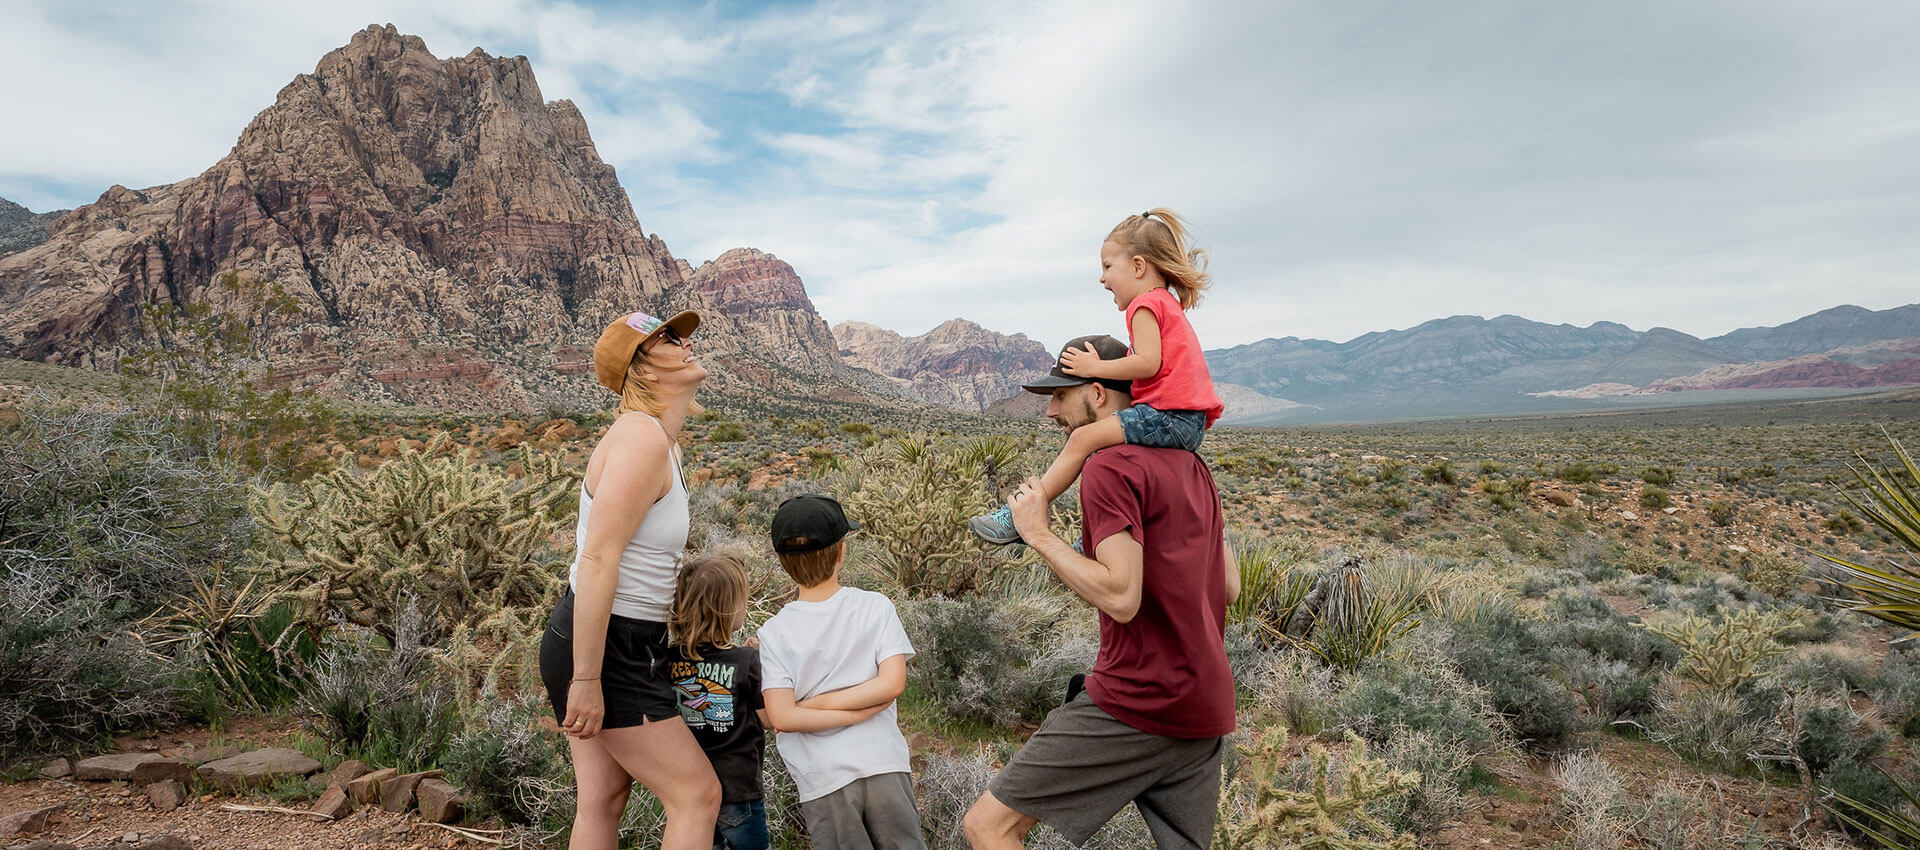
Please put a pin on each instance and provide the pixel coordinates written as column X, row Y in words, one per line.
column 1183, row 382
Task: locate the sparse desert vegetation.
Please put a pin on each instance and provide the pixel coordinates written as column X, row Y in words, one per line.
column 1583, row 632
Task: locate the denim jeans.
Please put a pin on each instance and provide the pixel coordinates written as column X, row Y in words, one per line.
column 742, row 826
column 1163, row 429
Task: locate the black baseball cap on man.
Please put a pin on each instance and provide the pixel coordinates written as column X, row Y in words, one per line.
column 808, row 524
column 1107, row 347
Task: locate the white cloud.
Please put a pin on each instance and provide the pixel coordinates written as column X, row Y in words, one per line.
column 1352, row 167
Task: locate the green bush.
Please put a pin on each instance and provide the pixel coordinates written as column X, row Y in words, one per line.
column 1428, row 696
column 384, row 701
column 1857, row 786
column 503, row 758
column 1655, row 498
column 1831, row 733
column 997, row 659
column 1896, row 690
column 1658, row 476
column 1506, row 656
column 1722, row 513
column 71, row 673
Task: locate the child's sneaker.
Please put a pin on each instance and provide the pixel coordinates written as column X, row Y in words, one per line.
column 996, row 528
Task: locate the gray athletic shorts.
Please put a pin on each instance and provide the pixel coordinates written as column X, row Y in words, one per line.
column 1081, row 767
column 872, row 813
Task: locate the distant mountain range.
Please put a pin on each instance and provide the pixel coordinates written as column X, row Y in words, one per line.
column 1465, row 365
column 452, row 239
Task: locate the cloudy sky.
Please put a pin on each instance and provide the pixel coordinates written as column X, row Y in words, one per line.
column 1352, row 166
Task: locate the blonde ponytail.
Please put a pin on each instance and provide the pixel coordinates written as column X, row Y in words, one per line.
column 1163, row 238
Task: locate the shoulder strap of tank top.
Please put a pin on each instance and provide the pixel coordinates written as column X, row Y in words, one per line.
column 673, row 454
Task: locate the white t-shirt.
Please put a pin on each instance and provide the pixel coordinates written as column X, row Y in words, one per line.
column 816, row 647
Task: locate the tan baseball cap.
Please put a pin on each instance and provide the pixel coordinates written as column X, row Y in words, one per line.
column 614, row 352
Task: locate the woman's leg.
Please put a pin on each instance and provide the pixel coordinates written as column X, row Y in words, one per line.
column 604, row 787
column 663, row 756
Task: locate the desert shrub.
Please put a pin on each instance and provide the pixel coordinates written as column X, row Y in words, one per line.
column 469, row 544
column 1506, row 656
column 949, row 785
column 1832, row 733
column 1895, row 689
column 1655, row 498
column 1823, row 669
column 1273, row 582
column 71, row 673
column 1859, row 791
column 1359, row 610
column 1428, row 695
column 727, row 432
column 383, row 700
column 1658, row 476
column 116, row 503
column 502, row 757
column 928, row 550
column 1586, row 473
column 1440, row 796
column 1722, row 513
column 1439, row 472
column 1712, row 727
column 997, row 659
column 1592, row 802
column 1674, row 817
column 1296, row 688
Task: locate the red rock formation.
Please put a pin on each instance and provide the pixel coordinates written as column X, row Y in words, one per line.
column 404, row 202
column 765, row 295
column 958, row 364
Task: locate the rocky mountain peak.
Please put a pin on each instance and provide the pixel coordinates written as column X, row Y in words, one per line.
column 451, row 239
column 957, row 364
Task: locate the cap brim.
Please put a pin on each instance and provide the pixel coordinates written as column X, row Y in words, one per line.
column 1046, row 385
column 683, row 323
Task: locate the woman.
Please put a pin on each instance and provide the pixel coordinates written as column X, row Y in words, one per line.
column 603, row 657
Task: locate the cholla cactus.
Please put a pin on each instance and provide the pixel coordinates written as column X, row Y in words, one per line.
column 1724, row 654
column 466, row 542
column 912, row 497
column 1316, row 820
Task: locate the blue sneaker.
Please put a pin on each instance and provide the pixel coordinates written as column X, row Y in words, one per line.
column 996, row 528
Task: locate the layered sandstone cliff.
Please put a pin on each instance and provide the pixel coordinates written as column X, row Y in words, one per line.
column 958, row 364
column 450, row 238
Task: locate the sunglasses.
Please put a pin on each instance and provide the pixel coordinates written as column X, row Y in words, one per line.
column 673, row 338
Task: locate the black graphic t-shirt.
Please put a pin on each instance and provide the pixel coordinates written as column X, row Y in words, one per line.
column 719, row 698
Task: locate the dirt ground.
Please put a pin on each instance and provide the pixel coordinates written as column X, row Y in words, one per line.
column 103, row 813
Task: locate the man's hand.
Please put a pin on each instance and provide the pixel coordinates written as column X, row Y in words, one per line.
column 1081, row 362
column 1029, row 505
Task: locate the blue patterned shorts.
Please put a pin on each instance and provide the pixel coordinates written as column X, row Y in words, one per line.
column 1163, row 429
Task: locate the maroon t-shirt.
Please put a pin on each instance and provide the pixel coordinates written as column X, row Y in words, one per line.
column 1165, row 672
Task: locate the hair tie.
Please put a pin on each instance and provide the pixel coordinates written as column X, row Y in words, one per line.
column 1147, row 214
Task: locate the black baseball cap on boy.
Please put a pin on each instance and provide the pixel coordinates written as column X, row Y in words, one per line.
column 815, row 521
column 1107, row 347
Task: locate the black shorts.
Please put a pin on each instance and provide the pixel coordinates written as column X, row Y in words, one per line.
column 633, row 671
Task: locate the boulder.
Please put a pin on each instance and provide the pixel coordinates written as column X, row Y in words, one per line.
column 365, row 789
column 1561, row 497
column 334, row 804
column 439, row 801
column 348, row 771
column 132, row 767
column 197, row 756
column 57, row 769
column 167, row 795
column 257, row 769
column 396, row 794
column 29, row 821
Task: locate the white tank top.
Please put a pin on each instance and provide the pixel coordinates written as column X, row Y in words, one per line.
column 651, row 559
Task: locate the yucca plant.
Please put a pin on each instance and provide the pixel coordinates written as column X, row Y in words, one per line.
column 1895, row 830
column 1272, row 584
column 1358, row 620
column 1891, row 500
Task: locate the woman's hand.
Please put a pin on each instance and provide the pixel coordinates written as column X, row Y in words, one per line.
column 586, row 709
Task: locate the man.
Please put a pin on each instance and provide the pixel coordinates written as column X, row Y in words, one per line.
column 1148, row 727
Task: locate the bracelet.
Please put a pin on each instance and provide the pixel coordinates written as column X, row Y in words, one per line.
column 587, row 679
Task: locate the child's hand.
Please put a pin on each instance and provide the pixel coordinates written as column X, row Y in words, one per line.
column 1080, row 362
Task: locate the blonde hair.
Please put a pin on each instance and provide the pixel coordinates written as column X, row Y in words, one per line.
column 638, row 391
column 810, row 568
column 1162, row 239
column 708, row 594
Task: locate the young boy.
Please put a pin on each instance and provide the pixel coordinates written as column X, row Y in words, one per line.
column 842, row 654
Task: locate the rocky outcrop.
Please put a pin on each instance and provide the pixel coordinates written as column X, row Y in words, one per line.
column 958, row 364
column 21, row 228
column 771, row 307
column 449, row 238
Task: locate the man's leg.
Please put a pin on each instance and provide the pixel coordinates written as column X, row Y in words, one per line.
column 1181, row 807
column 990, row 825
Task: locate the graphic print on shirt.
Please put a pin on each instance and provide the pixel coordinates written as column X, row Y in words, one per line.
column 705, row 690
